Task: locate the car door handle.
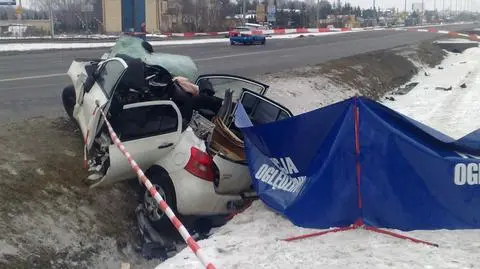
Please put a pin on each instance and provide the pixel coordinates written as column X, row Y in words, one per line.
column 165, row 145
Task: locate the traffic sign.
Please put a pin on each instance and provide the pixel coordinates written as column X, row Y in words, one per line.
column 271, row 14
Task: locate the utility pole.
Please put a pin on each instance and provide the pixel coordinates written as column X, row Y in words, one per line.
column 244, row 11
column 450, row 8
column 52, row 26
column 443, row 9
column 318, row 13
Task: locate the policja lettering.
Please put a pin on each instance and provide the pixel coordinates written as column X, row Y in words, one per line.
column 279, row 177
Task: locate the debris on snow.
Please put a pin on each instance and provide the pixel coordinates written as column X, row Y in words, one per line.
column 443, row 88
column 406, row 89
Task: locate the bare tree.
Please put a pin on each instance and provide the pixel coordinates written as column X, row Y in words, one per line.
column 69, row 15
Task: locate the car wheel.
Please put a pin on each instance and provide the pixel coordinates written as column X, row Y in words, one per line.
column 68, row 98
column 164, row 186
column 263, row 42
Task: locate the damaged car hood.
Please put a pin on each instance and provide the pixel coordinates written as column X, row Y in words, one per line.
column 177, row 65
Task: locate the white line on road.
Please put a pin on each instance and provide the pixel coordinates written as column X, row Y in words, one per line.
column 33, row 77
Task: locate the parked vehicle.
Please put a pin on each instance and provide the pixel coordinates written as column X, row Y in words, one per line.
column 193, row 154
column 247, row 39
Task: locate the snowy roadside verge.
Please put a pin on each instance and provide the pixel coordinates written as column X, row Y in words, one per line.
column 251, row 239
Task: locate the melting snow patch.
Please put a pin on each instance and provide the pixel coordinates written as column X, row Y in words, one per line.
column 7, row 167
column 40, row 171
column 7, row 249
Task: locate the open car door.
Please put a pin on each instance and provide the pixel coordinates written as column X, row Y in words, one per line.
column 218, row 84
column 107, row 76
column 227, row 142
column 261, row 109
column 148, row 130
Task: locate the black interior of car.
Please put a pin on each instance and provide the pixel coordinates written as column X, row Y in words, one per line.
column 142, row 82
column 145, row 121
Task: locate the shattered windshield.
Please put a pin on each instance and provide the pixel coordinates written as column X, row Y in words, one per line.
column 177, row 65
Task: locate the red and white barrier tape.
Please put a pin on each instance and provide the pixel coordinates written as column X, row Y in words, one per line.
column 303, row 30
column 472, row 37
column 192, row 244
column 267, row 32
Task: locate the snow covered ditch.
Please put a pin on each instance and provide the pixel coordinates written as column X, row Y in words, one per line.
column 253, row 238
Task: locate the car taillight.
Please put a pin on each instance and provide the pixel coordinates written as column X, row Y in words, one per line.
column 200, row 164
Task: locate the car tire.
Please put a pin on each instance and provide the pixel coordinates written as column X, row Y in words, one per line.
column 162, row 182
column 263, row 42
column 69, row 100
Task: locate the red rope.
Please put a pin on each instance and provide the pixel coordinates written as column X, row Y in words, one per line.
column 359, row 225
column 319, row 233
column 377, row 230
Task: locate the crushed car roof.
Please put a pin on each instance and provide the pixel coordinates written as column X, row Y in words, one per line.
column 177, row 65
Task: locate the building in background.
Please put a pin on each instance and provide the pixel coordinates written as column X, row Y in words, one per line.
column 129, row 15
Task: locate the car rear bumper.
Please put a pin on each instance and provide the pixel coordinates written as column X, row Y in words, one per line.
column 197, row 197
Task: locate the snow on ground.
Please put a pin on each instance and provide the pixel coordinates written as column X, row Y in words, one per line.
column 453, row 112
column 252, row 239
column 302, row 95
column 55, row 46
column 456, row 41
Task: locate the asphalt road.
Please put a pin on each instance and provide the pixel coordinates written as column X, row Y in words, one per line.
column 31, row 83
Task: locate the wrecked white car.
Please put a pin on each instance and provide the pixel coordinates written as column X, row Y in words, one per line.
column 187, row 145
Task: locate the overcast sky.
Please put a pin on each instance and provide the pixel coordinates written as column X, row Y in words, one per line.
column 429, row 4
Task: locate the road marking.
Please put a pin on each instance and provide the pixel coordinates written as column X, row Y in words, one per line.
column 33, row 77
column 256, row 52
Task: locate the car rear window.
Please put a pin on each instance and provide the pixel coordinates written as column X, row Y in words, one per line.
column 261, row 111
